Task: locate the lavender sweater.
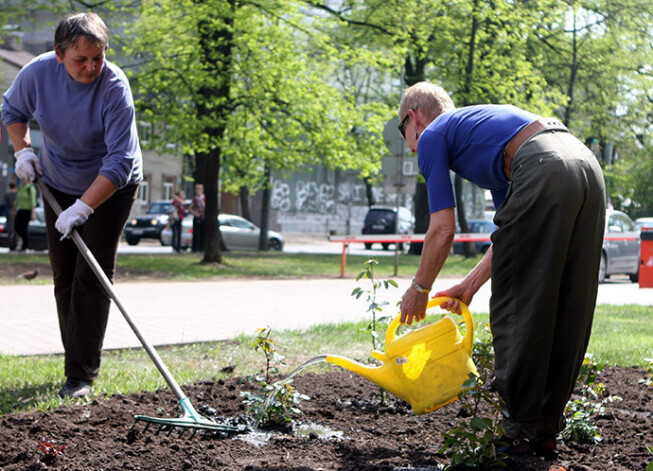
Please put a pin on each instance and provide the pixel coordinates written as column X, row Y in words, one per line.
column 88, row 129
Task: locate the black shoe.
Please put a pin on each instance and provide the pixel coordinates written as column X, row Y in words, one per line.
column 545, row 446
column 75, row 387
column 523, row 446
column 514, row 446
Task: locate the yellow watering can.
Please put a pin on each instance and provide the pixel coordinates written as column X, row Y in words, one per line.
column 425, row 367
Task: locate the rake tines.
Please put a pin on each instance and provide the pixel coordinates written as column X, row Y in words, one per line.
column 191, row 420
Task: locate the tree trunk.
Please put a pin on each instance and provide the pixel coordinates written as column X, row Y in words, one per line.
column 572, row 76
column 265, row 211
column 422, row 216
column 416, row 72
column 369, row 193
column 216, row 52
column 244, row 203
column 469, row 248
column 208, row 168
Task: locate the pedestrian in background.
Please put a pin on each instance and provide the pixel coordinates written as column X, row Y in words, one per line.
column 91, row 161
column 179, row 211
column 23, row 212
column 549, row 194
column 197, row 208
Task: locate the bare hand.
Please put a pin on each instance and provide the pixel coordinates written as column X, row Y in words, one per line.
column 413, row 306
column 457, row 293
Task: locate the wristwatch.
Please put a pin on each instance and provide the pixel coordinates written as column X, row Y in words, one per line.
column 418, row 288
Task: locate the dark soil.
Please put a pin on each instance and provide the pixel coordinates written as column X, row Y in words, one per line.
column 358, row 433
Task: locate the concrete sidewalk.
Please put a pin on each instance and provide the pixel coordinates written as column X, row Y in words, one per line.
column 182, row 312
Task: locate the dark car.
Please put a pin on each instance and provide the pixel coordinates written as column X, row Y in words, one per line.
column 476, row 226
column 621, row 245
column 7, row 237
column 388, row 220
column 150, row 225
column 36, row 231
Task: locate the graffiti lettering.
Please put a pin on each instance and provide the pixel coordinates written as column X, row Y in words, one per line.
column 280, row 198
column 311, row 197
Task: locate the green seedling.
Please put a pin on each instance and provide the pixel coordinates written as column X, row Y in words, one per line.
column 275, row 403
column 648, row 381
column 471, row 443
column 374, row 307
column 590, row 404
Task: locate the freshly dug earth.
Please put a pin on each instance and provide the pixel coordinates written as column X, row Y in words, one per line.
column 347, row 429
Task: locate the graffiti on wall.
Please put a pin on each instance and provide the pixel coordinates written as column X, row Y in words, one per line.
column 313, row 197
column 327, row 201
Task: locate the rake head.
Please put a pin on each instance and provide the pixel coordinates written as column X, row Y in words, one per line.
column 191, row 420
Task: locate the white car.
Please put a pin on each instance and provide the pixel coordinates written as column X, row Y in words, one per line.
column 237, row 234
column 621, row 244
column 644, row 223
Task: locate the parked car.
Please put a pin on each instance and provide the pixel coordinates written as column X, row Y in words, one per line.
column 644, row 224
column 476, row 226
column 384, row 220
column 7, row 238
column 36, row 231
column 620, row 256
column 237, row 234
column 150, row 225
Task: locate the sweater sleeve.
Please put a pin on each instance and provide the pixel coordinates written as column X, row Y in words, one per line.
column 121, row 138
column 19, row 101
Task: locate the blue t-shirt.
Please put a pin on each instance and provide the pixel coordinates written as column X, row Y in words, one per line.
column 88, row 129
column 469, row 141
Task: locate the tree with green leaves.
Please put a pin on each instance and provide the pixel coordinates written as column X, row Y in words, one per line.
column 477, row 50
column 598, row 53
column 244, row 88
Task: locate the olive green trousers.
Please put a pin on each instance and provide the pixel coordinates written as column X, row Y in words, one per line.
column 546, row 255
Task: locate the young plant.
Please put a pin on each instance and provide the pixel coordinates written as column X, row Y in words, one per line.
column 581, row 412
column 648, row 381
column 374, row 306
column 275, row 403
column 471, row 443
column 273, row 359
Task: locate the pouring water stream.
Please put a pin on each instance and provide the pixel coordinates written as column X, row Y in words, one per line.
column 288, row 379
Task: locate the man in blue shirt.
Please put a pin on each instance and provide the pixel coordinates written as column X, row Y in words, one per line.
column 91, row 160
column 549, row 194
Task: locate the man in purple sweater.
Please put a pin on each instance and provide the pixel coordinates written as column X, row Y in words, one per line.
column 549, row 194
column 91, row 160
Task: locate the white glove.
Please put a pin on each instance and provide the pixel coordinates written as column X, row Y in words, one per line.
column 75, row 215
column 27, row 164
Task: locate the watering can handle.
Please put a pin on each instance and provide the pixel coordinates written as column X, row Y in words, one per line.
column 469, row 323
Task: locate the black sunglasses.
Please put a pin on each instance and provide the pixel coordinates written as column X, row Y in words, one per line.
column 402, row 125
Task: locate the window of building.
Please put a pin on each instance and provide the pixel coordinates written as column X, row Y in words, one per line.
column 144, row 191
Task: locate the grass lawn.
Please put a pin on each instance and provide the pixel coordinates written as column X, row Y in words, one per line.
column 186, row 267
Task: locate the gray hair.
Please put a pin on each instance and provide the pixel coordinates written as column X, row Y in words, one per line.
column 430, row 98
column 77, row 25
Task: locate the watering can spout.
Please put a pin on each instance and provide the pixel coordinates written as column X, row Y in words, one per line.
column 425, row 367
column 376, row 374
